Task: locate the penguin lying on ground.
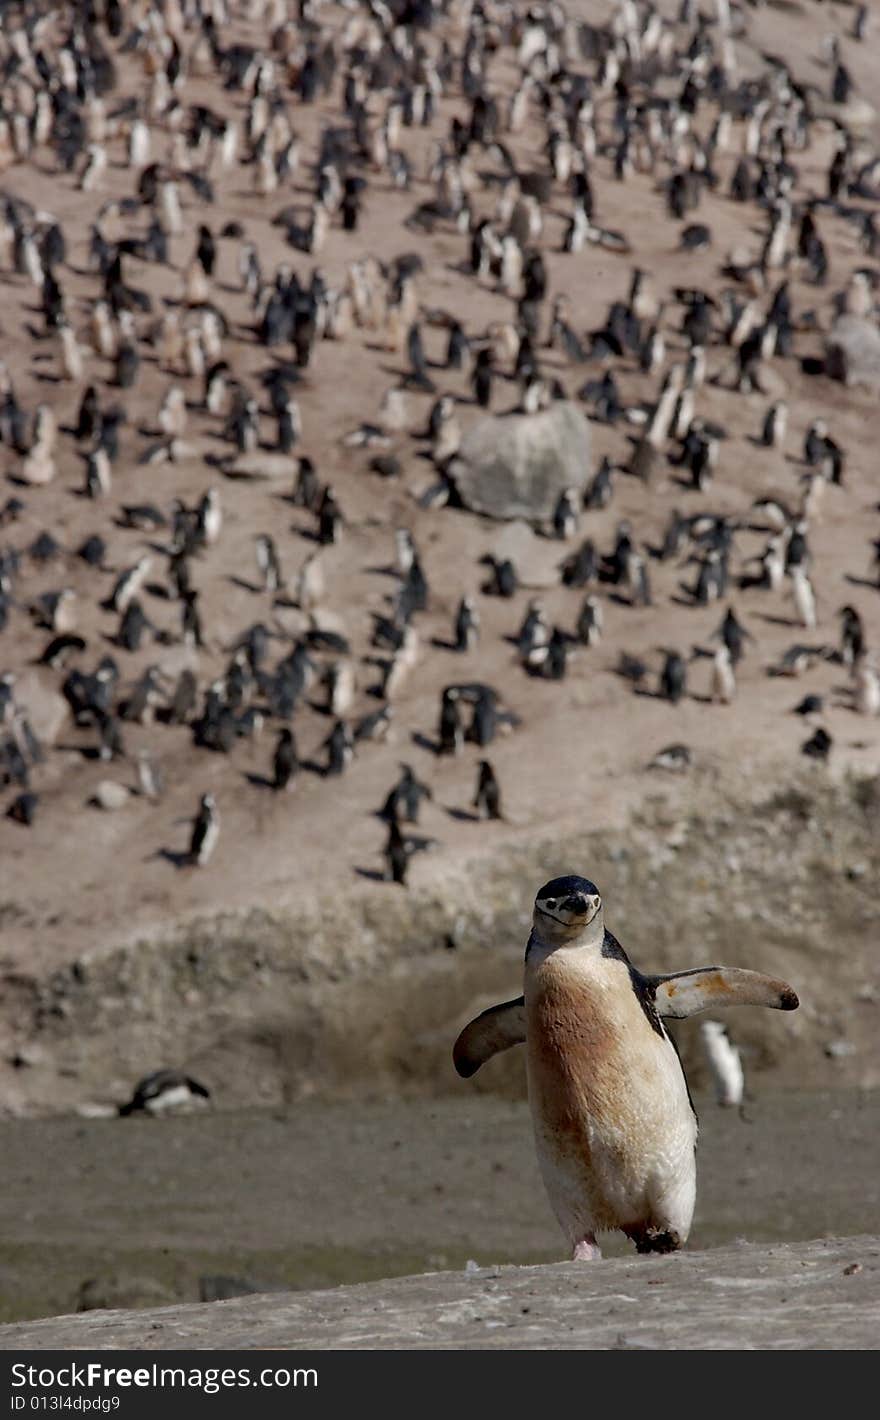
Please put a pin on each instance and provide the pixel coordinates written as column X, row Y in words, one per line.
column 164, row 1092
column 615, row 1128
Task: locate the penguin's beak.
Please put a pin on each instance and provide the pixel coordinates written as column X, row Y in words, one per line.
column 580, row 904
column 576, row 904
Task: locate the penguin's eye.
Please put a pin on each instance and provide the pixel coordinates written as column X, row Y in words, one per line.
column 549, row 901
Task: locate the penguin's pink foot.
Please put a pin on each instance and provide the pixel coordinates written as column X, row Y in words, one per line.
column 586, row 1250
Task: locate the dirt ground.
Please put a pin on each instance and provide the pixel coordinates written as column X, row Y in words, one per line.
column 148, row 1212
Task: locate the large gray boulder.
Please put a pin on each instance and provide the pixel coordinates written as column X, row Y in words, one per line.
column 517, row 466
column 852, row 353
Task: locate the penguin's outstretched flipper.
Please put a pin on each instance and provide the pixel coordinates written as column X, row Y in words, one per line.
column 489, row 1033
column 683, row 993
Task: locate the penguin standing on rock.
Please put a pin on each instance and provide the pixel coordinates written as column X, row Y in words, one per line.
column 615, row 1129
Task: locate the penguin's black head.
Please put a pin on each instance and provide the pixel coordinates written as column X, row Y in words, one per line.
column 571, row 902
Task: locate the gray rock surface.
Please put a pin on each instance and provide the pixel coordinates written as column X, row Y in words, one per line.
column 516, row 466
column 260, row 464
column 852, row 352
column 806, row 1296
column 110, row 795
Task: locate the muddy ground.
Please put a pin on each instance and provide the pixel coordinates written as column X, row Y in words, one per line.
column 115, row 1213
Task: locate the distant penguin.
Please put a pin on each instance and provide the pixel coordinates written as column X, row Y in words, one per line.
column 89, row 415
column 127, row 366
column 94, row 169
column 734, row 636
column 819, row 745
column 129, row 583
column 725, row 1063
column 723, row 681
column 589, row 622
column 482, row 378
column 774, row 426
column 487, row 799
column 534, row 633
column 814, row 442
column 600, row 491
column 566, row 516
column 673, row 677
column 340, row 748
column 451, row 730
column 852, row 636
column 804, row 597
column 329, row 518
column 205, row 832
column 150, row 779
column 675, row 759
column 268, row 563
column 23, row 808
column 457, row 347
column 396, row 854
column 867, row 689
column 503, row 581
column 209, row 517
column 404, row 800
column 405, row 551
column 191, row 621
column 165, row 1092
column 341, row 687
column 467, row 625
column 98, row 475
column 285, row 763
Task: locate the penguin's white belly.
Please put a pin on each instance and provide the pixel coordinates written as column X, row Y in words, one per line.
column 178, row 1097
column 614, row 1128
column 208, row 843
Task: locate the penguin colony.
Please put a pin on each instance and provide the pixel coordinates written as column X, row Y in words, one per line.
column 231, row 536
